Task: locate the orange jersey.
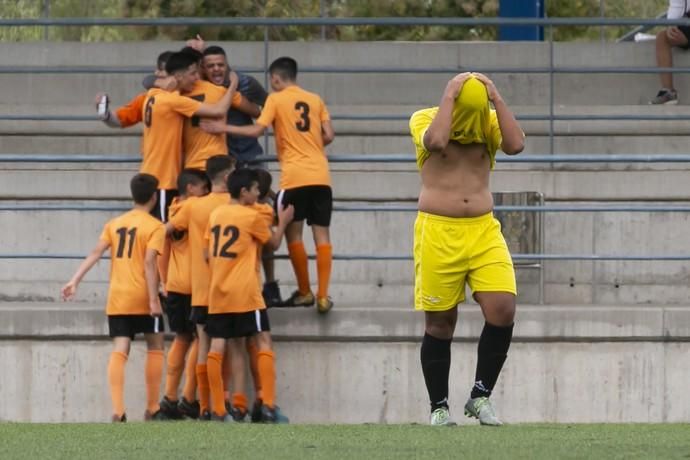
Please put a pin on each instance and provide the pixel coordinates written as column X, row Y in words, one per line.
column 130, row 236
column 132, row 112
column 296, row 116
column 179, row 266
column 193, row 217
column 198, row 145
column 233, row 236
column 161, row 145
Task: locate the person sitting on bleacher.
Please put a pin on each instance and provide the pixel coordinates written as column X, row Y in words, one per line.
column 674, row 36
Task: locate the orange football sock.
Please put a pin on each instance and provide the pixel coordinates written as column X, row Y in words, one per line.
column 239, row 401
column 202, row 386
column 267, row 371
column 215, row 382
column 154, row 374
column 116, row 379
column 298, row 257
column 227, row 376
column 324, row 260
column 175, row 367
column 253, row 353
column 189, row 390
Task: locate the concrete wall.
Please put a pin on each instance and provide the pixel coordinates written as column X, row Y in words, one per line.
column 567, row 364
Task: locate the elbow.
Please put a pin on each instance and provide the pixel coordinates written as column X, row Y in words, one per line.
column 514, row 148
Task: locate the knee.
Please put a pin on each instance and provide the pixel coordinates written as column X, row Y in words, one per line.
column 503, row 314
column 442, row 328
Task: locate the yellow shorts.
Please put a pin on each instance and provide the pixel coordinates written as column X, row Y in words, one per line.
column 451, row 250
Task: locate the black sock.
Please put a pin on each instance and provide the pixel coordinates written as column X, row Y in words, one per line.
column 491, row 354
column 435, row 355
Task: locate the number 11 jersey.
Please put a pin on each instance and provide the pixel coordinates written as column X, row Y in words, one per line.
column 130, row 236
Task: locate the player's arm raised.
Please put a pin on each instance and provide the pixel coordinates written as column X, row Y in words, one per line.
column 220, row 108
column 437, row 135
column 513, row 137
column 70, row 289
column 152, row 281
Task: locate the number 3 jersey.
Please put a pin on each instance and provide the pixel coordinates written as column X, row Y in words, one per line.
column 296, row 116
column 234, row 235
column 130, row 236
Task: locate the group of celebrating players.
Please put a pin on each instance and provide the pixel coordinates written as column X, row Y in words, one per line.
column 201, row 226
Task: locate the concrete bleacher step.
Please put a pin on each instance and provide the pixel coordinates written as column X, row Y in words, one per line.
column 354, row 182
column 369, row 322
column 397, row 127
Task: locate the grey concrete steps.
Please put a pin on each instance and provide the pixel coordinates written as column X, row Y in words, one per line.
column 373, row 323
column 106, row 181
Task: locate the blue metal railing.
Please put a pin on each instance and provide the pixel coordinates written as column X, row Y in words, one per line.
column 366, row 158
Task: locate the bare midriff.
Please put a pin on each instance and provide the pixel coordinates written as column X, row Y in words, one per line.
column 455, row 182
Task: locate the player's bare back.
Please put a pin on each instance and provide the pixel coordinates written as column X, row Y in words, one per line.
column 455, row 182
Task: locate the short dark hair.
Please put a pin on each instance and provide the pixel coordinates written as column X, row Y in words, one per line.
column 180, row 61
column 214, row 50
column 265, row 181
column 218, row 165
column 190, row 176
column 143, row 187
column 241, row 178
column 285, row 68
column 193, row 51
column 163, row 59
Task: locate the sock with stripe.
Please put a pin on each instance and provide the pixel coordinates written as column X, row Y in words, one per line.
column 267, row 373
column 215, row 382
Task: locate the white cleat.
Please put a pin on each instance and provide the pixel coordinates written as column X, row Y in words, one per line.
column 481, row 409
column 441, row 417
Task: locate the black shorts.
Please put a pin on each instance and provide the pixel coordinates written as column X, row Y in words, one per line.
column 686, row 32
column 236, row 325
column 163, row 200
column 198, row 315
column 178, row 309
column 312, row 202
column 130, row 325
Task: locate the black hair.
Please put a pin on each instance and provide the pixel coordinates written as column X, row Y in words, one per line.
column 143, row 187
column 190, row 176
column 241, row 179
column 214, row 50
column 198, row 55
column 265, row 181
column 285, row 68
column 163, row 59
column 218, row 165
column 180, row 61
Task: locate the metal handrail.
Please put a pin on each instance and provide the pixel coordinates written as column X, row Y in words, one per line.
column 374, row 208
column 365, row 158
column 392, row 117
column 572, row 257
column 356, row 70
column 341, row 21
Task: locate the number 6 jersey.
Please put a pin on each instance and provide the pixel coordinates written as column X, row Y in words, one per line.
column 233, row 237
column 130, row 236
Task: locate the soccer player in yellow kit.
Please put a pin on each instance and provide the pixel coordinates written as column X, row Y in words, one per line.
column 457, row 240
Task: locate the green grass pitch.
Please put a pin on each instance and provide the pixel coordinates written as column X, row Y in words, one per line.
column 214, row 440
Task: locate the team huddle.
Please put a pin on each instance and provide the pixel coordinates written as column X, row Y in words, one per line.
column 204, row 222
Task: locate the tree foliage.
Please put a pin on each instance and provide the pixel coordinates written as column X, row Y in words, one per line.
column 305, row 8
